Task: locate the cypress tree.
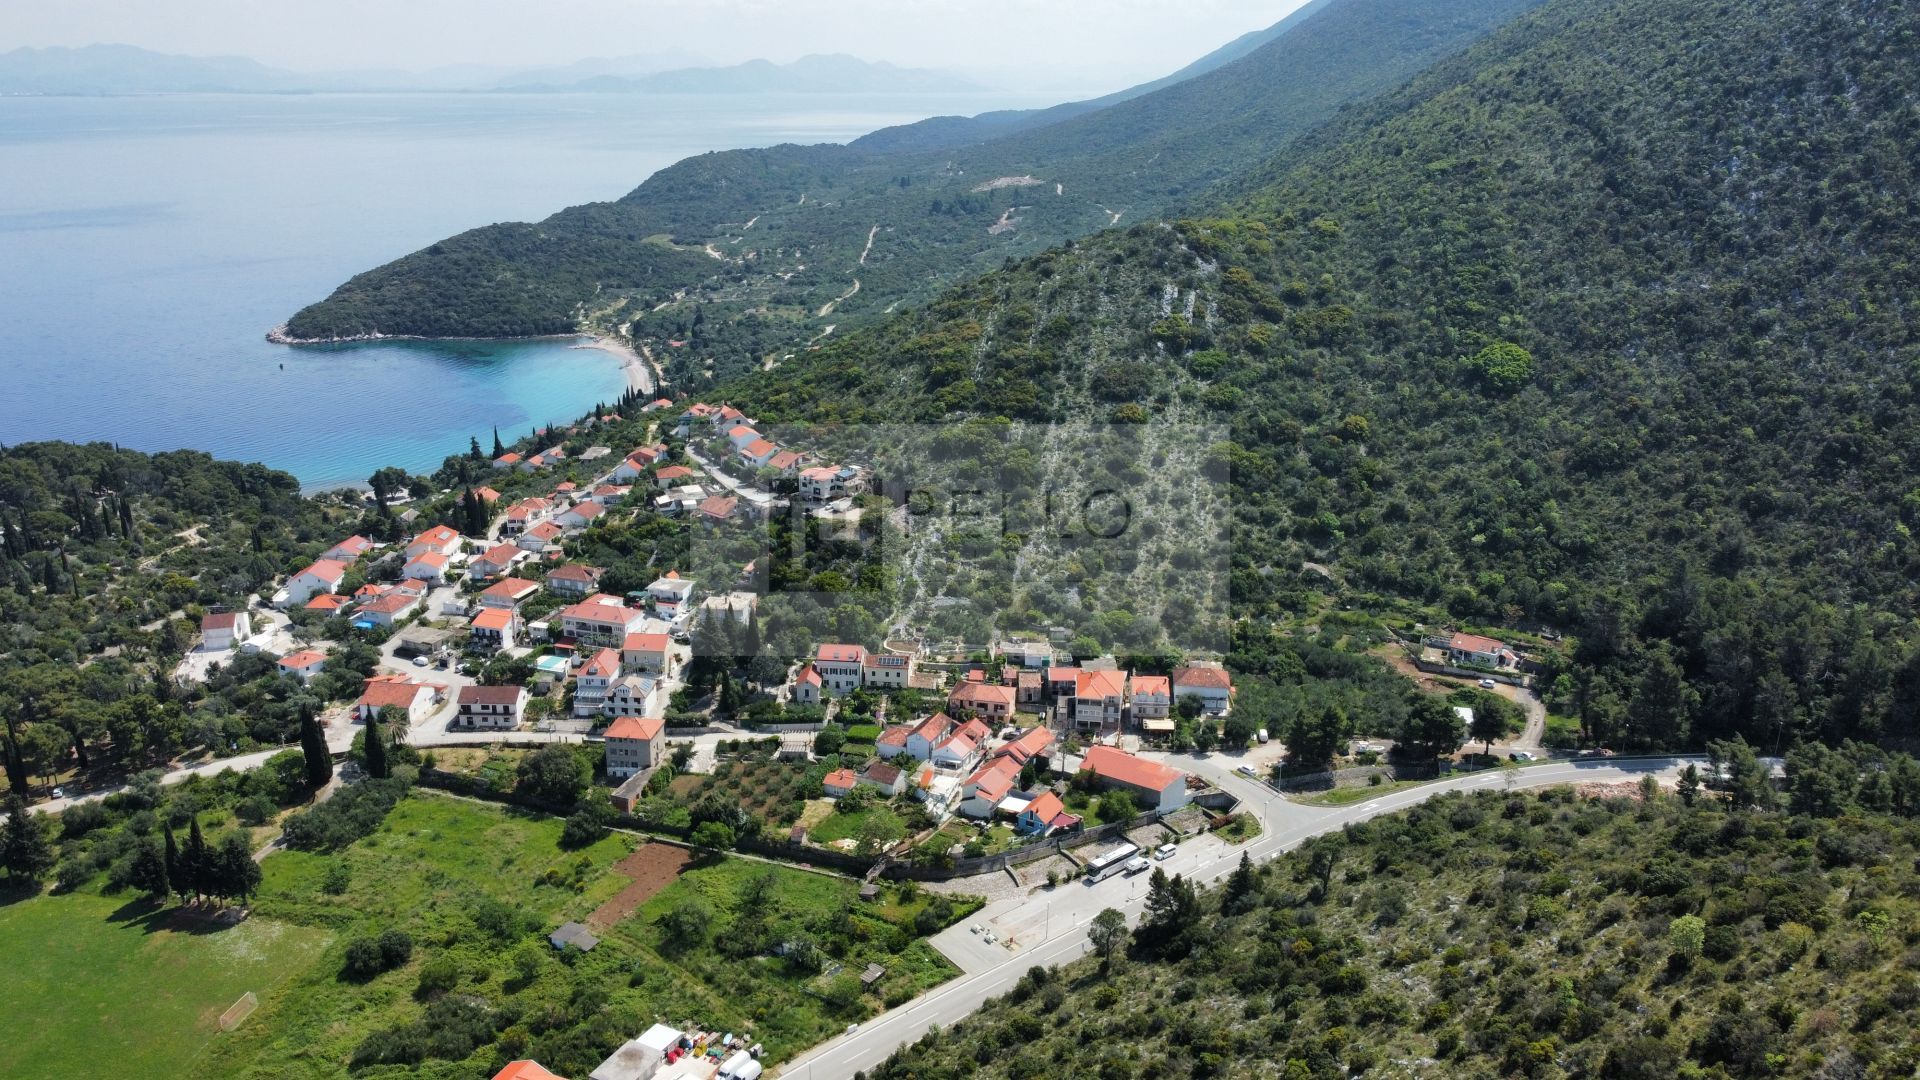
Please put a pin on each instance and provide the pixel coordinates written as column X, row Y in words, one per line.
column 497, row 448
column 376, row 751
column 16, row 769
column 313, row 745
column 177, row 877
column 473, row 447
column 196, row 861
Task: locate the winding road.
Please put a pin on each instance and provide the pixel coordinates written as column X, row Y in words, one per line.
column 1059, row 915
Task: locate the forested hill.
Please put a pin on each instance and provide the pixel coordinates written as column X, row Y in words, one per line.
column 1498, row 936
column 1606, row 323
column 742, row 256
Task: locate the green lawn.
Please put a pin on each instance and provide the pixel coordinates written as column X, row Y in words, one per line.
column 105, row 986
column 1347, row 796
column 843, row 826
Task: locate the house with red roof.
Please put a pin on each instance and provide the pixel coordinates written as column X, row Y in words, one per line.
column 840, row 667
column 891, row 780
column 1031, row 744
column 416, row 700
column 1044, row 815
column 389, row 607
column 486, row 495
column 496, row 560
column 608, row 494
column 599, row 620
column 525, row 1069
column 887, row 670
column 1207, row 681
column 324, row 576
column 961, row 747
column 928, row 733
column 540, row 537
column 646, row 652
column 496, row 628
column 987, row 700
column 224, row 631
column 593, row 680
column 507, row 460
column 349, row 549
column 303, row 665
column 509, row 593
column 581, row 514
column 328, row 603
column 656, row 405
column 673, row 476
column 490, row 708
column 544, row 459
column 808, row 687
column 440, row 539
column 740, row 435
column 1155, row 786
column 839, row 782
column 1152, row 697
column 426, row 566
column 786, row 462
column 893, row 740
column 1473, row 650
column 524, row 514
column 635, row 743
column 988, row 787
column 574, row 579
column 717, row 507
column 824, row 483
column 1099, row 700
column 757, row 453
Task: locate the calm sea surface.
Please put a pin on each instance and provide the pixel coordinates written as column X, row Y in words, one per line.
column 147, row 244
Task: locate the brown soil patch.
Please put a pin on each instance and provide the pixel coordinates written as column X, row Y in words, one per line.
column 650, row 868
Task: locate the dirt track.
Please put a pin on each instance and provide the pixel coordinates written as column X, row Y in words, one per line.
column 651, row 868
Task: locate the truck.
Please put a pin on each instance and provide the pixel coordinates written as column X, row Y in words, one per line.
column 1137, row 864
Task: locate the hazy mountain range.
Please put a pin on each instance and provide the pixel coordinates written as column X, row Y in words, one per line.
column 127, row 69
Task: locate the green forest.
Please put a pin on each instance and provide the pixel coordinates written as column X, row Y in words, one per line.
column 1601, row 325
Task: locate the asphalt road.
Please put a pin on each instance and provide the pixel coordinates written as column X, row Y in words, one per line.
column 1059, row 916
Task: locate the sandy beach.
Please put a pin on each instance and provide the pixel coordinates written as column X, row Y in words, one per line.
column 639, row 375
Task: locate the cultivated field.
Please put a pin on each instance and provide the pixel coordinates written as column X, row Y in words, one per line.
column 651, row 868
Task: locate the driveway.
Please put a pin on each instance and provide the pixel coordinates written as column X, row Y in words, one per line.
column 1051, row 925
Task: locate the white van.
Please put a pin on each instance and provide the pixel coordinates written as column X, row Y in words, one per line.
column 1164, row 852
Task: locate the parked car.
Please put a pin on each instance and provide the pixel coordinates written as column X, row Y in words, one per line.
column 57, row 793
column 1488, row 684
column 1247, row 771
column 1519, row 755
column 419, row 661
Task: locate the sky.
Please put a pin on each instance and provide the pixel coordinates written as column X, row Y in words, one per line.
column 1010, row 44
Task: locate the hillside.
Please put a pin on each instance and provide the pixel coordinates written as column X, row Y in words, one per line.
column 1553, row 335
column 742, row 256
column 1497, row 935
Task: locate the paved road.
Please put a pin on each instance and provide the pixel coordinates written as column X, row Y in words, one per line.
column 1057, row 917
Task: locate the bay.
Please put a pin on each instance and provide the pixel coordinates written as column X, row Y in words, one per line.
column 148, row 243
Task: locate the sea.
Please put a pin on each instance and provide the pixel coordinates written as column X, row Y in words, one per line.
column 148, row 243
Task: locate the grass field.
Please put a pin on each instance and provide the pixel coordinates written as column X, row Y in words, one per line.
column 1347, row 796
column 104, row 986
column 843, row 826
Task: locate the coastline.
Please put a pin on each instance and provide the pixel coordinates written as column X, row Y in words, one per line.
column 639, row 375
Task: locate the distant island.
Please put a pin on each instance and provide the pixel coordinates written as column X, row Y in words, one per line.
column 128, row 69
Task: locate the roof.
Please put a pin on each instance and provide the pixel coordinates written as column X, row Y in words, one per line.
column 1156, row 685
column 982, row 693
column 1062, row 674
column 501, row 553
column 546, row 530
column 1045, row 808
column 587, row 510
column 673, row 472
column 994, row 781
column 493, row 618
column 379, row 695
column 759, row 448
column 1028, row 746
column 525, row 1069
column 807, row 676
column 327, row 569
column 841, row 778
column 1108, row 763
column 574, row 934
column 602, row 613
column 718, row 506
column 933, row 727
column 1212, row 678
column 486, row 494
column 575, row 572
column 439, row 534
column 1100, row 684
column 491, row 695
column 785, row 459
column 882, row 773
column 225, row 621
column 645, row 643
column 429, row 558
column 818, row 472
column 605, row 663
column 1475, row 643
column 352, row 545
column 893, row 736
column 841, row 654
column 511, row 587
column 303, row 658
column 389, row 603
column 643, row 728
column 326, row 602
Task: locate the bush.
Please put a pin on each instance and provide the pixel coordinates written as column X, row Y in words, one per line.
column 363, row 959
column 437, row 976
column 354, row 812
column 396, row 947
column 588, row 825
column 256, row 810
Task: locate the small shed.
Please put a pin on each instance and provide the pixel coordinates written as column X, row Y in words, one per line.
column 870, row 892
column 797, row 835
column 872, row 974
column 574, row 934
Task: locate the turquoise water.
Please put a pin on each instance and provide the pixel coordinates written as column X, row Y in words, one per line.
column 147, row 244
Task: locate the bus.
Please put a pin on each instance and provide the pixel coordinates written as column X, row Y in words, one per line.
column 1109, row 863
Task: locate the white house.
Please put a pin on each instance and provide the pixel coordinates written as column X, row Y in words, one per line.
column 988, row 700
column 496, row 628
column 539, row 537
column 581, row 514
column 497, row 559
column 349, row 549
column 591, row 682
column 1099, row 699
column 758, row 452
column 824, row 483
column 1207, row 681
column 600, row 620
column 490, row 708
column 389, row 607
column 574, row 579
column 635, row 695
column 740, row 435
column 324, row 576
column 928, row 733
column 961, row 747
column 303, row 665
column 986, row 789
column 218, row 633
column 396, row 691
column 887, row 671
column 646, row 652
column 426, row 566
column 439, row 539
column 840, row 667
column 669, row 592
column 509, row 593
column 1156, row 786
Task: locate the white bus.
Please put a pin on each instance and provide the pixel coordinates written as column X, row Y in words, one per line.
column 1110, row 863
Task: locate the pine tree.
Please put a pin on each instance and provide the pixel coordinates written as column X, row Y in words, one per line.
column 1236, row 897
column 313, row 744
column 376, row 751
column 16, row 768
column 24, row 848
column 178, row 879
column 149, row 870
column 473, row 448
column 236, row 875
